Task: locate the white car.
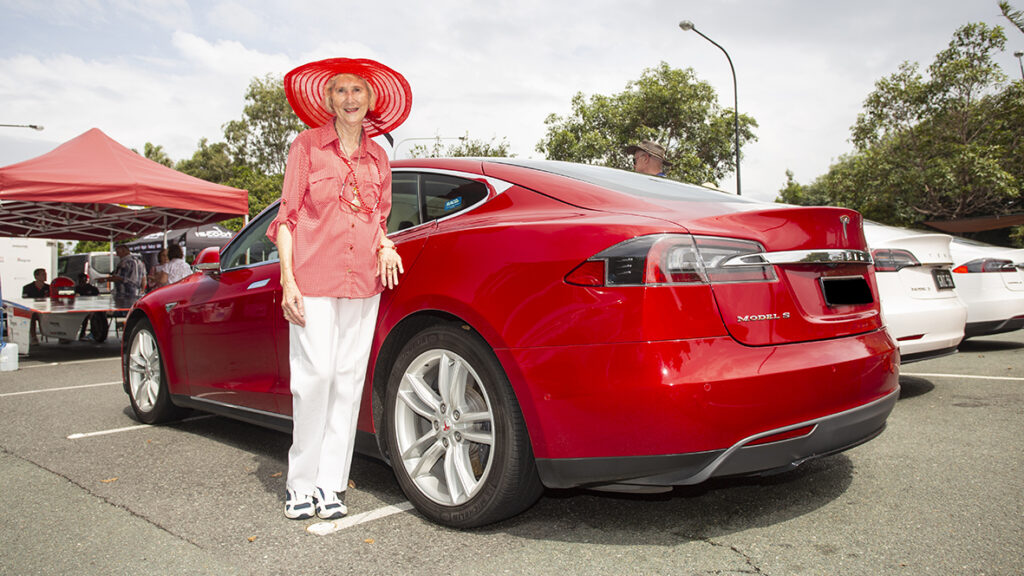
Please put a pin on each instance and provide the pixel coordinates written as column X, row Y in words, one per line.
column 918, row 296
column 990, row 279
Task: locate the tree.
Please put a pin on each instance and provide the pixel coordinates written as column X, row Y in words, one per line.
column 156, row 153
column 465, row 148
column 668, row 105
column 1016, row 17
column 263, row 189
column 211, row 162
column 942, row 147
column 268, row 125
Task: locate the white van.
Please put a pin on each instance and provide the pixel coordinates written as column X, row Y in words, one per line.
column 93, row 264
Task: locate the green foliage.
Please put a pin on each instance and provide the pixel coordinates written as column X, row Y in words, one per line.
column 466, row 148
column 1016, row 17
column 211, row 162
column 157, row 154
column 84, row 246
column 942, row 147
column 268, row 125
column 668, row 105
column 263, row 189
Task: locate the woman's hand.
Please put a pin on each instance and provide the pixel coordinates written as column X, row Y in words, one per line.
column 292, row 303
column 389, row 265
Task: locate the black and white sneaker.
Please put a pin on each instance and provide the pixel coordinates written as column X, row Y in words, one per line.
column 298, row 506
column 329, row 505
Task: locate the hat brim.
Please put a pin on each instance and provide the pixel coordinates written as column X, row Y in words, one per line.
column 633, row 149
column 304, row 88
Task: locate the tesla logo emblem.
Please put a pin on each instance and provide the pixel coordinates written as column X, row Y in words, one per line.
column 844, row 220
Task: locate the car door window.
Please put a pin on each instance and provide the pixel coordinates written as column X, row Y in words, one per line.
column 252, row 245
column 405, row 204
column 445, row 195
column 418, row 197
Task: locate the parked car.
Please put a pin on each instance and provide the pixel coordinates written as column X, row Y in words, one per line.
column 990, row 280
column 919, row 298
column 558, row 325
column 93, row 264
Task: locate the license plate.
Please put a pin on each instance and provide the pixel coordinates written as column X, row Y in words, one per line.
column 845, row 290
column 943, row 279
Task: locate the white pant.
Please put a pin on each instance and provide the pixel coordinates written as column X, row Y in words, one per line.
column 328, row 359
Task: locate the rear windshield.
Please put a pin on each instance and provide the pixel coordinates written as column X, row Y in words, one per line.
column 640, row 185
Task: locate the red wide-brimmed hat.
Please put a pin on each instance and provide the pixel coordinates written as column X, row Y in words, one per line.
column 304, row 87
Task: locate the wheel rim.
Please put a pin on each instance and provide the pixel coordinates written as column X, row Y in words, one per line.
column 444, row 425
column 144, row 370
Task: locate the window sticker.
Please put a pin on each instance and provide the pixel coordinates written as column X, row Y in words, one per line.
column 452, row 204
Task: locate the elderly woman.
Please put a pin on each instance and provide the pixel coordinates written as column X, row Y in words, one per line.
column 336, row 259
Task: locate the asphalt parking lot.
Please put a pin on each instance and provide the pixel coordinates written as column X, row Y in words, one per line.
column 85, row 489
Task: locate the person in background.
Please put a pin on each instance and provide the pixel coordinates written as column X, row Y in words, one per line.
column 336, row 259
column 176, row 268
column 649, row 158
column 95, row 325
column 84, row 288
column 158, row 275
column 38, row 288
column 130, row 277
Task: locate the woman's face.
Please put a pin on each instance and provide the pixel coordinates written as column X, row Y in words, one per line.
column 162, row 257
column 349, row 98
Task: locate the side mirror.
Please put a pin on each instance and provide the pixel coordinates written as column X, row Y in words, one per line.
column 208, row 260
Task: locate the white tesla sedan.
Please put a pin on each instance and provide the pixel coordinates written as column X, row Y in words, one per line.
column 918, row 295
column 990, row 280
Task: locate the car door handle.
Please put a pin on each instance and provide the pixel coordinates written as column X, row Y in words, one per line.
column 258, row 284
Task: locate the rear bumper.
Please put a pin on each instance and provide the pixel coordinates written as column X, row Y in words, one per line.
column 993, row 326
column 925, row 325
column 828, row 435
column 615, row 412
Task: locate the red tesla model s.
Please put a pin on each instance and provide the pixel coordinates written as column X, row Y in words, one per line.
column 558, row 325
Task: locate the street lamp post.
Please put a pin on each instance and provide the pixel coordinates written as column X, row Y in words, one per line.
column 686, row 25
column 404, row 140
column 1019, row 54
column 32, row 126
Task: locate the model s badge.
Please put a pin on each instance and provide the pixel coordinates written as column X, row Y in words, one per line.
column 755, row 317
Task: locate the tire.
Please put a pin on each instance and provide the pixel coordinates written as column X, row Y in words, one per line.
column 455, row 435
column 145, row 377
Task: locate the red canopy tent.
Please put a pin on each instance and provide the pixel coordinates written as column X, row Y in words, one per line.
column 92, row 188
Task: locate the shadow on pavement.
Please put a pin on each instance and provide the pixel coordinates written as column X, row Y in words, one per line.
column 911, row 386
column 712, row 509
column 270, row 449
column 52, row 351
column 989, row 345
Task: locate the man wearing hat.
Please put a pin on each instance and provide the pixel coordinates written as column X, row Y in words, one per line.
column 649, row 158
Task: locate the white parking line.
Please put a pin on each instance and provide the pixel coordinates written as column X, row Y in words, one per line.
column 926, row 375
column 79, row 435
column 325, row 528
column 4, row 395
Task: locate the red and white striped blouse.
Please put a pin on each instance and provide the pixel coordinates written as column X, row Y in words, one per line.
column 334, row 245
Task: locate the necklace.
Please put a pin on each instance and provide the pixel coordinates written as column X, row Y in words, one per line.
column 359, row 204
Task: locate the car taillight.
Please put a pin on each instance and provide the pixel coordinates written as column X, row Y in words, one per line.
column 890, row 260
column 671, row 259
column 985, row 265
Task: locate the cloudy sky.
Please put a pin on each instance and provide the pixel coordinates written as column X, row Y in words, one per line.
column 173, row 71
